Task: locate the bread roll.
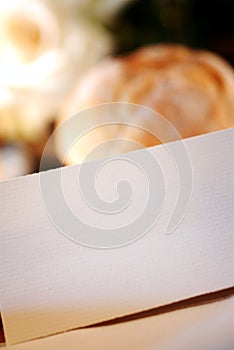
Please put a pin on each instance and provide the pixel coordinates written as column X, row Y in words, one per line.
column 193, row 90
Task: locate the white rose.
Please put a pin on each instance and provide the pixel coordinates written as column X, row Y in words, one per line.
column 43, row 48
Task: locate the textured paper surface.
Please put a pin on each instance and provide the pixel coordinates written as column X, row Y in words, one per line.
column 206, row 327
column 50, row 284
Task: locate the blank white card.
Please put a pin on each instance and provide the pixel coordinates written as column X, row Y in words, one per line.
column 51, row 283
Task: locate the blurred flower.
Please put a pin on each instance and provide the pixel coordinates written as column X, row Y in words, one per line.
column 194, row 90
column 44, row 45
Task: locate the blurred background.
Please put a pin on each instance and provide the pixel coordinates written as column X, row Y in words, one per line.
column 47, row 47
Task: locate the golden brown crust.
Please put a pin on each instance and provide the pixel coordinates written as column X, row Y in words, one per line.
column 193, row 89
